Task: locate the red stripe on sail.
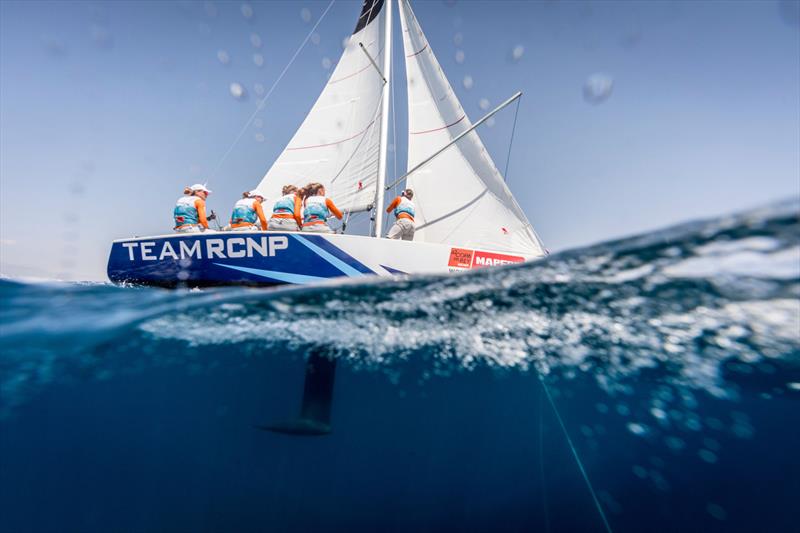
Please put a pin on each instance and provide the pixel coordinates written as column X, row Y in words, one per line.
column 437, row 129
column 335, row 142
column 421, row 50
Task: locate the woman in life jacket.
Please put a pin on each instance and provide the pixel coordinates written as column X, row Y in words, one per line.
column 247, row 213
column 287, row 211
column 190, row 210
column 403, row 209
column 317, row 209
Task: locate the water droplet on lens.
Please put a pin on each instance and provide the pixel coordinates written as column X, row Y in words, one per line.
column 326, row 63
column 102, row 38
column 483, row 103
column 790, row 12
column 459, row 56
column 597, row 88
column 345, row 42
column 237, row 91
column 305, row 14
column 517, row 52
column 490, row 122
column 315, row 38
column 258, row 89
column 259, row 137
column 468, row 82
column 258, row 123
column 258, row 59
column 210, row 9
column 458, row 38
column 247, row 11
column 255, row 40
column 640, row 471
column 223, row 57
column 54, row 47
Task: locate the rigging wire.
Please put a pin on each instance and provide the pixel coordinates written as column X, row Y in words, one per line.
column 511, row 142
column 575, row 454
column 261, row 103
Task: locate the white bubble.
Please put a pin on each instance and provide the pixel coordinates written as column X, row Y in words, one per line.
column 490, row 122
column 258, row 89
column 259, row 137
column 305, row 14
column 237, row 90
column 258, row 59
column 707, row 456
column 459, row 56
column 637, row 429
column 255, row 40
column 468, row 82
column 658, row 413
column 326, row 63
column 183, row 275
column 483, row 103
column 223, row 57
column 675, row 443
column 315, row 38
column 716, row 511
column 793, row 386
column 247, row 11
column 597, row 88
column 517, row 52
column 458, row 38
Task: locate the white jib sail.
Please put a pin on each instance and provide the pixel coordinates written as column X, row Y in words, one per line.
column 461, row 197
column 338, row 143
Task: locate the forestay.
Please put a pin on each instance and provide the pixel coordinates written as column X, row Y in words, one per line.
column 460, row 195
column 338, row 143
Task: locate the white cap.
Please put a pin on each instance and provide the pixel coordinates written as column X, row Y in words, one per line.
column 199, row 187
column 256, row 192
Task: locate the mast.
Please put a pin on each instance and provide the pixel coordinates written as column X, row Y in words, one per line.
column 384, row 140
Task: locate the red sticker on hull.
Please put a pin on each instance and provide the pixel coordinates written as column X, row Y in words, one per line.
column 484, row 259
column 460, row 258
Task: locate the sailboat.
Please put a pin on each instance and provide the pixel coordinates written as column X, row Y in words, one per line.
column 466, row 217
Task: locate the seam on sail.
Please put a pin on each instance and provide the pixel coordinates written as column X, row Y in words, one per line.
column 420, row 51
column 455, row 211
column 438, row 129
column 354, row 73
column 331, row 144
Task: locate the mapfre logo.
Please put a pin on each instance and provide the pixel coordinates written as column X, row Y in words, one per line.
column 485, row 259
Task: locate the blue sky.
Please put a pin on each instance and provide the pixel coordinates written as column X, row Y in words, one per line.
column 107, row 109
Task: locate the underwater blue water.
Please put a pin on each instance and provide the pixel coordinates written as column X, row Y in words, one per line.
column 648, row 384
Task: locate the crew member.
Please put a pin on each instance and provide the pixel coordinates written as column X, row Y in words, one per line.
column 403, row 208
column 317, row 209
column 248, row 211
column 190, row 210
column 287, row 211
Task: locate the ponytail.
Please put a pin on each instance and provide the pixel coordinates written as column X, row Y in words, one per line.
column 246, row 194
column 187, row 190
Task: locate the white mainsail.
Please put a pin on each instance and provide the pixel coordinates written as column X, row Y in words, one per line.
column 461, row 197
column 339, row 143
